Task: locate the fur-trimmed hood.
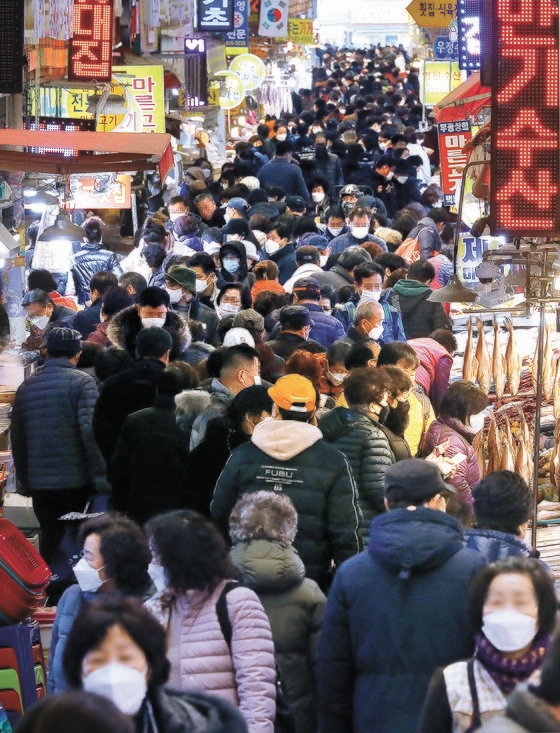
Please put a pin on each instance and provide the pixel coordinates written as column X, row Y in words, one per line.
column 125, row 326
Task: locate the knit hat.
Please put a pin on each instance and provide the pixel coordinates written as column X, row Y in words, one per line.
column 294, row 393
column 60, row 338
column 417, row 479
column 250, row 319
column 183, row 276
column 236, row 336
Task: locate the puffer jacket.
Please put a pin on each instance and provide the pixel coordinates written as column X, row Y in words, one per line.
column 325, row 329
column 368, row 452
column 467, row 473
column 89, row 260
column 201, row 659
column 194, row 712
column 394, row 614
column 494, row 545
column 295, row 606
column 292, row 457
column 125, row 326
column 434, row 370
column 52, row 436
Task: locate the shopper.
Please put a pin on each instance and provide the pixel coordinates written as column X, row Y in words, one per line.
column 92, row 258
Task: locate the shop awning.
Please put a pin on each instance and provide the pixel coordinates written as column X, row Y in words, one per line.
column 113, row 152
column 466, row 100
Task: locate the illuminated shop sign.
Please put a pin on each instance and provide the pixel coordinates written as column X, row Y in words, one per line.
column 91, row 44
column 214, row 15
column 468, row 16
column 58, row 124
column 525, row 120
column 11, row 46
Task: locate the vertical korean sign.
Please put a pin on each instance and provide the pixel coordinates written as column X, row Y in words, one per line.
column 452, row 137
column 214, row 16
column 91, row 45
column 237, row 42
column 525, row 118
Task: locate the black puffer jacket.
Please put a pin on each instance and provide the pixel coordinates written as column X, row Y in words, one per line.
column 126, row 325
column 289, row 456
column 92, row 258
column 295, row 606
column 494, row 545
column 368, row 452
column 191, row 712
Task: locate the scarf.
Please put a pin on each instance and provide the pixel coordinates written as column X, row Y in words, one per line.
column 508, row 673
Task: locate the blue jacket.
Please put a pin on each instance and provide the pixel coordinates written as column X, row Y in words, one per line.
column 394, row 613
column 392, row 322
column 285, row 258
column 52, row 435
column 343, row 241
column 286, row 175
column 494, row 545
column 326, row 329
column 66, row 611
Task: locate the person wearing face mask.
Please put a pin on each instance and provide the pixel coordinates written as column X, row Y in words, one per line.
column 406, row 184
column 42, row 312
column 355, row 431
column 233, row 264
column 394, row 419
column 295, row 326
column 327, row 165
column 291, row 451
column 512, row 608
column 359, row 220
column 208, row 281
column 367, row 325
column 325, row 328
column 181, row 284
column 420, row 316
column 115, row 559
column 282, row 172
column 223, row 434
column 383, row 187
column 211, row 215
column 311, row 256
column 461, row 417
column 114, row 300
column 117, row 649
column 335, row 223
column 151, row 311
column 231, row 299
column 186, row 235
column 281, row 250
column 398, row 610
column 321, row 202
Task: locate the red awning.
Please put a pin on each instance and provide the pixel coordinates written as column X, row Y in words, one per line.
column 113, row 152
column 466, row 100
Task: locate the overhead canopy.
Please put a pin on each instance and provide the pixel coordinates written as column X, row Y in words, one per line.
column 113, row 152
column 464, row 101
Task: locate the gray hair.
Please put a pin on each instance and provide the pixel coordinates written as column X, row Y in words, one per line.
column 263, row 515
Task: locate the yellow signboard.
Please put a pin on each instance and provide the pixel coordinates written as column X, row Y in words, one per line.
column 300, row 30
column 432, row 14
column 437, row 79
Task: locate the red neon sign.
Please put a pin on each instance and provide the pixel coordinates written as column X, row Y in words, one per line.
column 525, row 179
column 91, row 44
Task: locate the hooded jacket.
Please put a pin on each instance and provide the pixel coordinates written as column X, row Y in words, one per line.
column 368, row 452
column 125, row 326
column 394, row 614
column 289, row 456
column 295, row 606
column 429, row 240
column 420, row 316
column 242, row 275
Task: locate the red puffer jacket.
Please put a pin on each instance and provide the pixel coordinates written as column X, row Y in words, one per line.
column 467, row 473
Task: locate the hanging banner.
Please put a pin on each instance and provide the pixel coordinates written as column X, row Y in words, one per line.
column 273, row 18
column 237, row 41
column 251, row 70
column 300, row 30
column 214, row 16
column 101, row 191
column 91, row 46
column 437, row 79
column 452, row 138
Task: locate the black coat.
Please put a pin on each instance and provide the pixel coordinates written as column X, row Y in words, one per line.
column 394, row 613
column 122, row 394
column 89, row 260
column 494, row 545
column 126, row 325
column 148, row 472
column 192, row 712
column 285, row 258
column 86, row 320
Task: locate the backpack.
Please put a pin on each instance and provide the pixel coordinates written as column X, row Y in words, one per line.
column 284, row 721
column 409, row 250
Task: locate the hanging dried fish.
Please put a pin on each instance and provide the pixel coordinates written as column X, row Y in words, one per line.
column 498, row 364
column 549, row 366
column 506, row 457
column 524, row 429
column 556, row 392
column 470, row 364
column 478, row 447
column 494, row 448
column 522, row 463
column 513, row 359
column 483, row 359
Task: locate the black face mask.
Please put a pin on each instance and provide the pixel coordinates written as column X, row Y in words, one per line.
column 383, row 414
column 397, row 420
column 321, row 151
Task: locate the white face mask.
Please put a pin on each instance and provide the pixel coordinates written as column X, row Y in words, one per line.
column 152, row 322
column 323, row 259
column 174, row 295
column 87, row 577
column 335, row 231
column 157, row 574
column 39, row 321
column 257, row 378
column 271, row 246
column 383, row 146
column 336, row 378
column 206, row 172
column 317, row 197
column 200, row 286
column 360, row 232
column 228, row 309
column 124, row 686
column 281, row 138
column 389, row 175
column 402, row 179
column 477, row 422
column 376, row 332
column 370, row 295
column 509, row 630
column 174, row 217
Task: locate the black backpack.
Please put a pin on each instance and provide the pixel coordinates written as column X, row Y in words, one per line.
column 284, row 721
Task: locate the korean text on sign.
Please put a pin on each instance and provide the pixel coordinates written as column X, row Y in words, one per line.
column 453, row 136
column 91, row 45
column 215, row 15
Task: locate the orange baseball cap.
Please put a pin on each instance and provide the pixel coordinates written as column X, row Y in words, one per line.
column 294, row 393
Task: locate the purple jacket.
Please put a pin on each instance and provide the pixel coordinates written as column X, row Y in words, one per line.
column 434, row 370
column 467, row 474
